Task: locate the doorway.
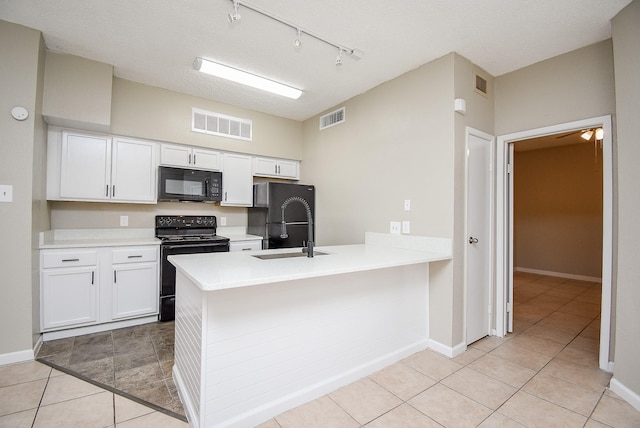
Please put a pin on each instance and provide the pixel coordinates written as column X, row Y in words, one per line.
column 505, row 231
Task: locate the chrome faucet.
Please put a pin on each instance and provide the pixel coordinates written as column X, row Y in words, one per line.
column 283, row 232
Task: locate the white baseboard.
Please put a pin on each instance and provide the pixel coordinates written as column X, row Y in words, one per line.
column 17, row 357
column 71, row 332
column 447, row 351
column 625, row 393
column 559, row 274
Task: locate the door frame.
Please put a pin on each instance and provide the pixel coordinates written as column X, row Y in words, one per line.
column 504, row 239
column 469, row 131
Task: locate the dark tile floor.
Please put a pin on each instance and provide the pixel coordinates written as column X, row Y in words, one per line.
column 135, row 362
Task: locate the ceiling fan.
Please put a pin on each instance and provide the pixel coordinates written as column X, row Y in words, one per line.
column 586, row 134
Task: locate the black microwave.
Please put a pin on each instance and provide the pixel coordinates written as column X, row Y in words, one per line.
column 180, row 184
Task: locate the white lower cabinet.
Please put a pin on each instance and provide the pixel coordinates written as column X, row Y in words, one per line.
column 69, row 297
column 89, row 287
column 135, row 282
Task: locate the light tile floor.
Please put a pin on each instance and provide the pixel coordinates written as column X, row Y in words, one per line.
column 545, row 374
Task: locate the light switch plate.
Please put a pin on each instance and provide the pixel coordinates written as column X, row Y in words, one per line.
column 223, row 221
column 406, row 227
column 124, row 220
column 6, row 193
column 394, row 227
column 407, row 205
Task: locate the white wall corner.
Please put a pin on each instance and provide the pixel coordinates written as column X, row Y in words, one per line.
column 17, row 357
column 625, row 393
column 447, row 351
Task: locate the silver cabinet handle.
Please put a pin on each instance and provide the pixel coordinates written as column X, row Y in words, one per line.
column 92, row 277
column 194, row 158
column 70, row 260
column 473, row 240
column 113, row 191
column 189, row 158
column 115, row 278
column 107, row 192
column 134, row 257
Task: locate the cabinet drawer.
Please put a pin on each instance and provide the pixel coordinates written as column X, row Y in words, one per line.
column 245, row 246
column 56, row 259
column 135, row 255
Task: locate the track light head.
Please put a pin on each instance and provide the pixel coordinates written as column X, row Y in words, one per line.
column 599, row 134
column 297, row 42
column 234, row 16
column 339, row 58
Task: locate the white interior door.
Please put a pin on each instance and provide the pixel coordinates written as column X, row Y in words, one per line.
column 479, row 236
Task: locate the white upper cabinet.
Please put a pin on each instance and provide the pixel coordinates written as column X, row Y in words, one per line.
column 190, row 157
column 133, row 171
column 237, row 181
column 85, row 171
column 271, row 167
column 92, row 167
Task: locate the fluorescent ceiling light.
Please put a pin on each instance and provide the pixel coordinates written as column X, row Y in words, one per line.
column 239, row 76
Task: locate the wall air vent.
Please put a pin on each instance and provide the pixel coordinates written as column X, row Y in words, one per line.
column 481, row 85
column 208, row 122
column 332, row 119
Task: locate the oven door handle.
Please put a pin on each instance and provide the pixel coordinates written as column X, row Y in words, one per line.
column 174, row 247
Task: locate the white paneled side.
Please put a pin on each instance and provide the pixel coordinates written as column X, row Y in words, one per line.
column 188, row 346
column 208, row 122
column 336, row 117
column 273, row 347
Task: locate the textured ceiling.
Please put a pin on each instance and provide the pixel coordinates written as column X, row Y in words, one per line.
column 155, row 41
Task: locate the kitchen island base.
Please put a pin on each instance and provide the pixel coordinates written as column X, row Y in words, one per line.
column 244, row 355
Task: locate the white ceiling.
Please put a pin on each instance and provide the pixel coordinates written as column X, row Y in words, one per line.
column 155, row 41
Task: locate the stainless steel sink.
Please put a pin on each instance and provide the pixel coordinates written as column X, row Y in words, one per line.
column 287, row 255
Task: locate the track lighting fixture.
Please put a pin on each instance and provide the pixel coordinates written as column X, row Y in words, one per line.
column 599, row 134
column 297, row 42
column 234, row 16
column 342, row 50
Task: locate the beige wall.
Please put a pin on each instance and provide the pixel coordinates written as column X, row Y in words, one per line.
column 21, row 147
column 558, row 210
column 77, row 91
column 573, row 86
column 626, row 34
column 158, row 114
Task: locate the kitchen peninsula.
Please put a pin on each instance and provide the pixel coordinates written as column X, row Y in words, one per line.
column 255, row 337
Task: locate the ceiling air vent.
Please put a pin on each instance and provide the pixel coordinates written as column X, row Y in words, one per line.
column 208, row 122
column 332, row 119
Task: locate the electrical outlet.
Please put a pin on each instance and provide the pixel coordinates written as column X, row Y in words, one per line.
column 124, row 220
column 407, row 205
column 406, row 227
column 223, row 221
column 394, row 227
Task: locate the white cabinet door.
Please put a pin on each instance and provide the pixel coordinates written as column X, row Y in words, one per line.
column 69, row 297
column 207, row 159
column 133, row 172
column 237, row 181
column 265, row 166
column 85, row 170
column 174, row 155
column 135, row 290
column 270, row 167
column 190, row 157
column 288, row 169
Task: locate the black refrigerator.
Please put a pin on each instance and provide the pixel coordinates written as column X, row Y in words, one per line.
column 266, row 216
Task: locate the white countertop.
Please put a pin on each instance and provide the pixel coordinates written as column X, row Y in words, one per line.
column 219, row 271
column 87, row 238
